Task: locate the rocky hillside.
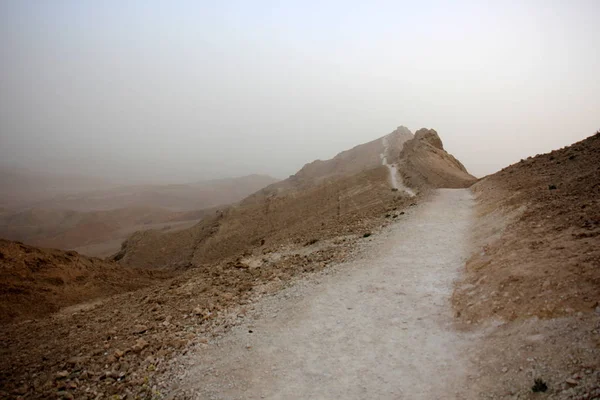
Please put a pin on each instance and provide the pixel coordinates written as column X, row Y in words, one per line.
column 533, row 282
column 320, row 201
column 347, row 163
column 36, row 282
column 424, row 163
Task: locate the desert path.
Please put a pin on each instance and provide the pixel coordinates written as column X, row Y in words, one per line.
column 379, row 327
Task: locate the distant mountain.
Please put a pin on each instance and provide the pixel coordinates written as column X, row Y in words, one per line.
column 75, row 229
column 177, row 197
column 20, row 187
column 95, row 222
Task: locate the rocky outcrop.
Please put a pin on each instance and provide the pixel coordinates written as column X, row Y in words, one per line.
column 423, row 163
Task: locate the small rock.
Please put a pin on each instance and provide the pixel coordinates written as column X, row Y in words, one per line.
column 139, row 345
column 139, row 329
column 73, row 361
column 571, row 382
column 64, row 395
column 119, row 353
column 62, row 375
column 505, row 370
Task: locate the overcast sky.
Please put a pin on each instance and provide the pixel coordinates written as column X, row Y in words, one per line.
column 186, row 90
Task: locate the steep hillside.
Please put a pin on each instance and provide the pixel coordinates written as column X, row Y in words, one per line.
column 347, row 163
column 35, row 282
column 317, row 213
column 320, row 201
column 533, row 281
column 424, row 162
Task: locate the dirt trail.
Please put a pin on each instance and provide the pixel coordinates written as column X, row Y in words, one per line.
column 395, row 180
column 379, row 327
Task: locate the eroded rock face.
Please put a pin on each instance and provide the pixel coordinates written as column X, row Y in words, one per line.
column 425, row 164
column 430, row 136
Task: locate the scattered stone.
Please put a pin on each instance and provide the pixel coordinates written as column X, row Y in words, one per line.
column 73, row 361
column 62, row 375
column 571, row 382
column 64, row 395
column 139, row 329
column 139, row 345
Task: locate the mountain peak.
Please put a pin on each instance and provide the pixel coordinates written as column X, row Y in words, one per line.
column 430, row 136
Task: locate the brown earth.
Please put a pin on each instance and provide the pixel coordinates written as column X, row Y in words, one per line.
column 532, row 287
column 122, row 344
column 36, row 282
column 545, row 262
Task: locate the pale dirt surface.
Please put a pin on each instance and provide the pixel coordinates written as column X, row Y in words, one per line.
column 378, row 327
column 395, row 180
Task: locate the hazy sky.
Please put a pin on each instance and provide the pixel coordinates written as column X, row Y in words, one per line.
column 184, row 90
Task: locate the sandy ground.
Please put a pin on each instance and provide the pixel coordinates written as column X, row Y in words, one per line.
column 379, row 327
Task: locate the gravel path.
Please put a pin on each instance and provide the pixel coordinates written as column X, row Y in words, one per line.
column 379, row 327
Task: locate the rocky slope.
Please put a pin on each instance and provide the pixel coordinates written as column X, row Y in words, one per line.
column 36, row 282
column 533, row 282
column 424, row 162
column 320, row 201
column 350, row 162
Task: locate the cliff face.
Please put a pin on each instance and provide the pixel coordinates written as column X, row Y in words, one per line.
column 423, row 162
